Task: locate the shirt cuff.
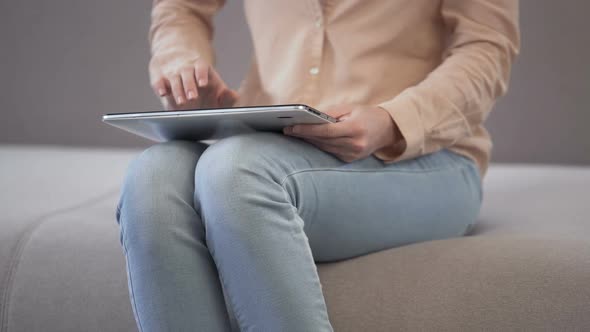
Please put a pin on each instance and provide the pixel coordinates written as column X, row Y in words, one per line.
column 405, row 114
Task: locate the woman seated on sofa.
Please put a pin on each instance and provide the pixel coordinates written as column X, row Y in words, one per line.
column 248, row 216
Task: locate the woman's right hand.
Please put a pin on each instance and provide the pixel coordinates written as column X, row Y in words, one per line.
column 189, row 84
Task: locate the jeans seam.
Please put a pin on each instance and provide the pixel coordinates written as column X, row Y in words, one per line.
column 222, row 282
column 118, row 213
column 132, row 292
column 293, row 207
column 375, row 171
column 232, row 301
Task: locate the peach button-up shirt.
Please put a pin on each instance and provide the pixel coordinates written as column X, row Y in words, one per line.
column 436, row 66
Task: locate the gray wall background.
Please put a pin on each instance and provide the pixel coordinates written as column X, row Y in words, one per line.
column 64, row 63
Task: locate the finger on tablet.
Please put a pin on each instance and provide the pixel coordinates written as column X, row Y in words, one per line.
column 160, row 88
column 189, row 84
column 202, row 73
column 215, row 80
column 177, row 90
column 227, row 98
column 168, row 102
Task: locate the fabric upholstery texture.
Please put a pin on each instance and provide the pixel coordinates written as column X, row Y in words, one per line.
column 524, row 266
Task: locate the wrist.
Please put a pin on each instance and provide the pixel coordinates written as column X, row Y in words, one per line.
column 390, row 130
column 395, row 142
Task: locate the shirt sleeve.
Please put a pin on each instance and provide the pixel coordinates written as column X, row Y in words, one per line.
column 183, row 27
column 457, row 96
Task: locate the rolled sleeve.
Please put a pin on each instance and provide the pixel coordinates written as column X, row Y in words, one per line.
column 454, row 100
column 407, row 118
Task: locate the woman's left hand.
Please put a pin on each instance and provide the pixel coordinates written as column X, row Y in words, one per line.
column 359, row 132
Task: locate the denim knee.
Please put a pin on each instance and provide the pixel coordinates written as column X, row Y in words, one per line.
column 160, row 173
column 238, row 172
column 222, row 167
column 225, row 165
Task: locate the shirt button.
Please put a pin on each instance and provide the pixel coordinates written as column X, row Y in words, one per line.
column 314, row 70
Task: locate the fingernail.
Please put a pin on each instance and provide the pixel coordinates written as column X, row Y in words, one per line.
column 162, row 91
column 191, row 95
column 179, row 100
column 202, row 82
column 287, row 130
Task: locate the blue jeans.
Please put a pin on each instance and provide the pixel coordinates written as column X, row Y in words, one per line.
column 225, row 236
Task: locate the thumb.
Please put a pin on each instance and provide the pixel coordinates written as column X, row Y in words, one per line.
column 228, row 98
column 338, row 111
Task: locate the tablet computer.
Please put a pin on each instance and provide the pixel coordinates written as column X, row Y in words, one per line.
column 215, row 123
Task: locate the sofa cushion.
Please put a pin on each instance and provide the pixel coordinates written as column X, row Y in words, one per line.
column 39, row 186
column 524, row 266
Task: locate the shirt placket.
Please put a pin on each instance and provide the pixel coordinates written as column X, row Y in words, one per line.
column 316, row 45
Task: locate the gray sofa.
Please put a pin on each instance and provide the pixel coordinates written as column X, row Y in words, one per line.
column 525, row 266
